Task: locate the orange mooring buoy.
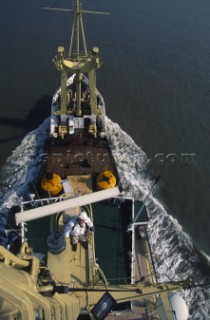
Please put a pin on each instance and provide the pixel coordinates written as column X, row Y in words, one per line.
column 51, row 183
column 106, row 180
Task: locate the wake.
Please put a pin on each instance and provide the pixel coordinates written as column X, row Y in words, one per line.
column 173, row 250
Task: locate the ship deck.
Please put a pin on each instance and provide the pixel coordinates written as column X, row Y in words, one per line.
column 78, row 156
column 124, row 257
column 142, row 308
column 69, row 267
column 142, row 270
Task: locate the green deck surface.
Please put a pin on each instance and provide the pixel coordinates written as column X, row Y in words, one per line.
column 110, row 242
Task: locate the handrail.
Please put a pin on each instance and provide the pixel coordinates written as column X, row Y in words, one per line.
column 74, row 56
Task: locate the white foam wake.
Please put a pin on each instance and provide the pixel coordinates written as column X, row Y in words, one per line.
column 173, row 251
column 21, row 169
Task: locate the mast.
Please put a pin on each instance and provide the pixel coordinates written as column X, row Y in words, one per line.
column 79, row 61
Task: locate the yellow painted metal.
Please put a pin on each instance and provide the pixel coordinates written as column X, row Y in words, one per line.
column 71, row 303
column 11, row 259
column 106, row 180
column 17, row 298
column 19, row 291
column 70, row 267
column 52, row 185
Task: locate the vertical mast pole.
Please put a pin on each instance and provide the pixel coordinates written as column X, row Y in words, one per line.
column 78, row 85
column 72, row 37
column 83, row 34
column 77, row 24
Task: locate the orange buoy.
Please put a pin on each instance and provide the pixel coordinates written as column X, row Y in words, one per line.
column 51, row 183
column 106, row 180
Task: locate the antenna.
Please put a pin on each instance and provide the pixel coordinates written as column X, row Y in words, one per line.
column 77, row 24
column 78, row 62
column 143, row 205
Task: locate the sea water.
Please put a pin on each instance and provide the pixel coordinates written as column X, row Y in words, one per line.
column 173, row 250
column 155, row 80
